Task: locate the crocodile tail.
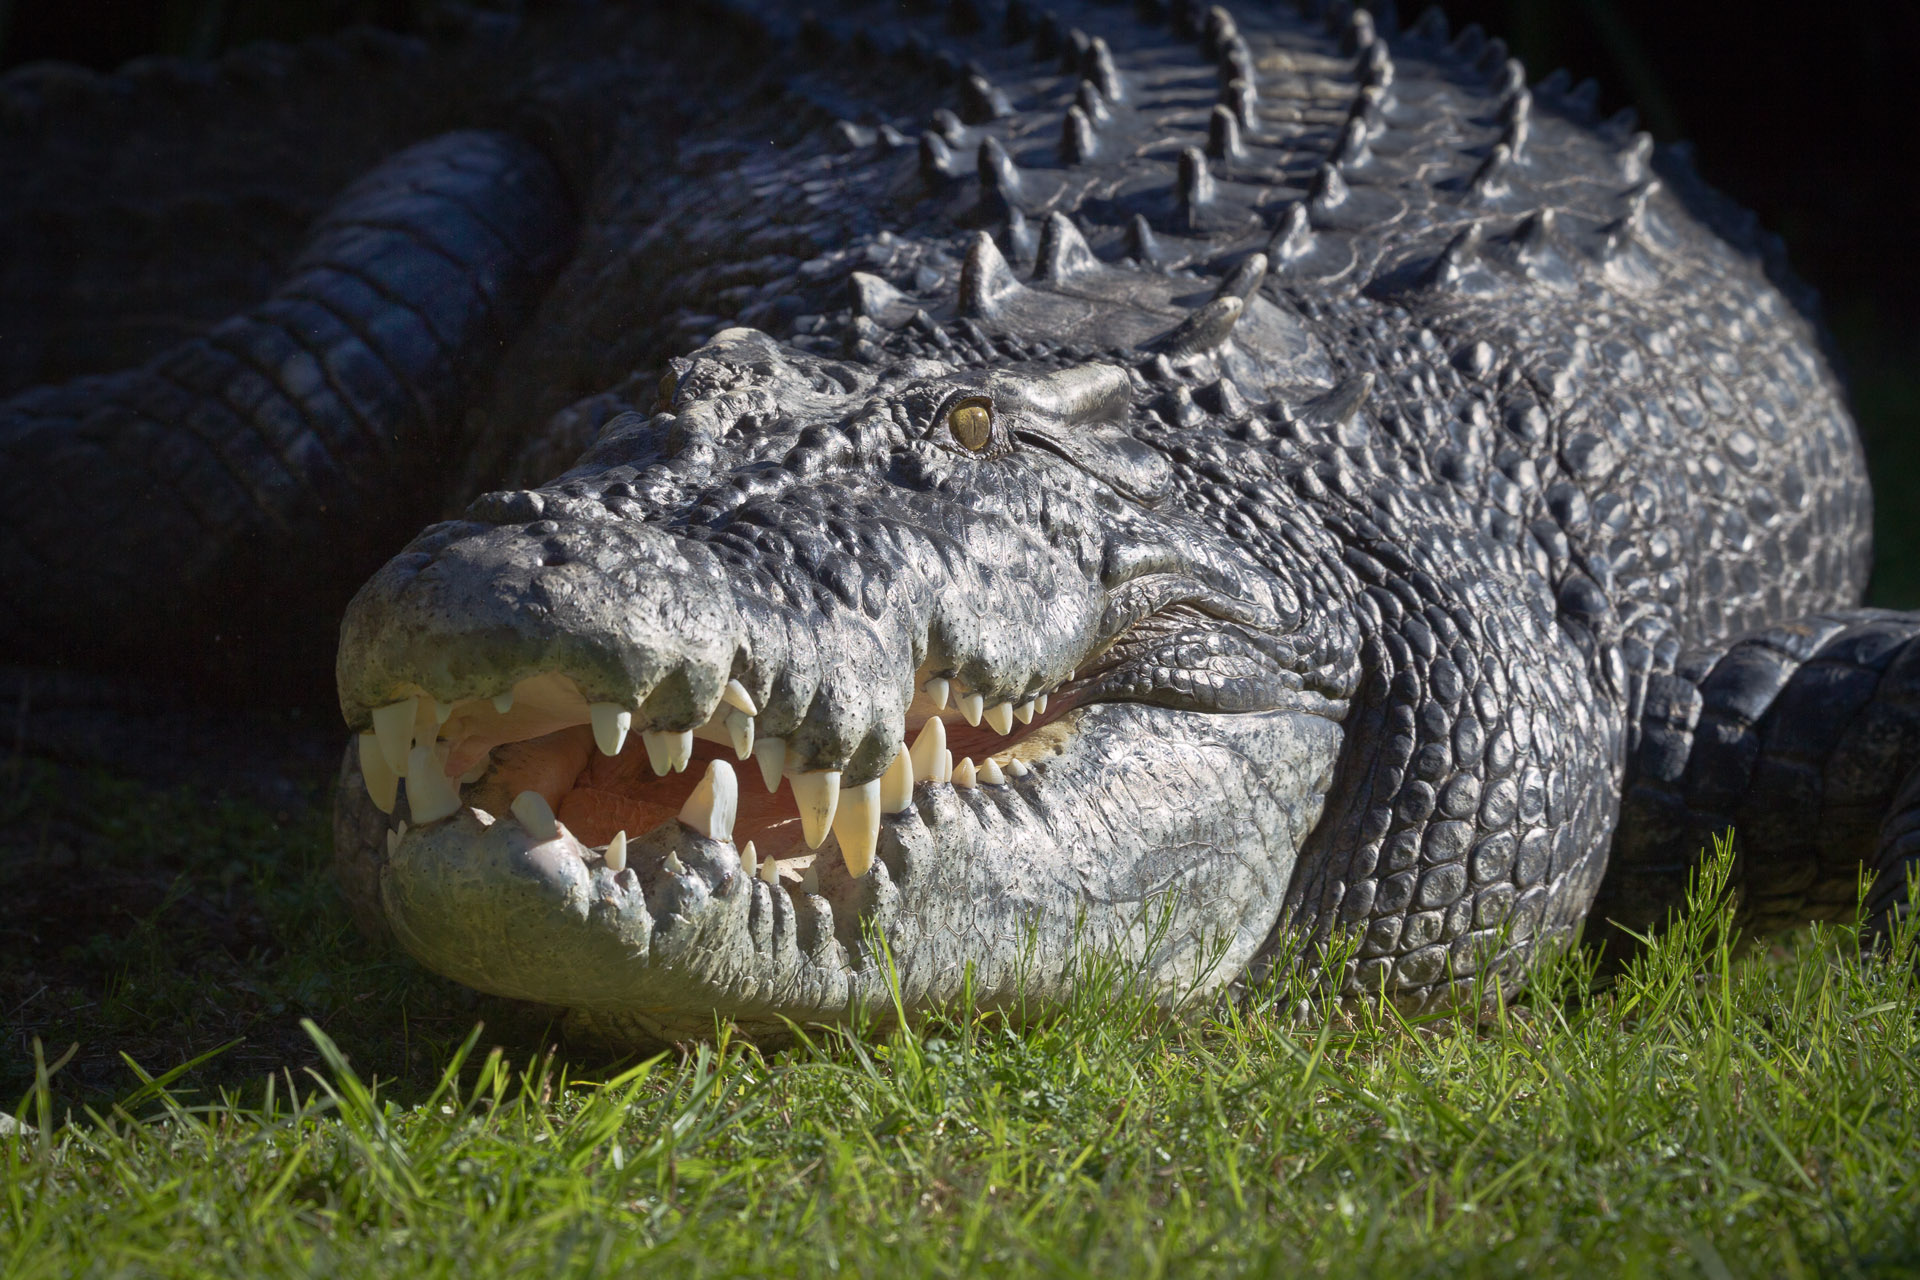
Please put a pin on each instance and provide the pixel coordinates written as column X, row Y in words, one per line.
column 224, row 495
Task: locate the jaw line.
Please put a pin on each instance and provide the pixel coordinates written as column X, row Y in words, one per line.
column 1167, row 836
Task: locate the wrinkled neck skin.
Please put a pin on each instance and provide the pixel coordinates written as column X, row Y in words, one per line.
column 960, row 671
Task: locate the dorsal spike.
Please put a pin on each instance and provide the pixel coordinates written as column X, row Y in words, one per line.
column 1205, row 329
column 1582, row 102
column 1223, row 135
column 1376, row 65
column 1074, row 52
column 1620, row 125
column 981, row 100
column 1077, row 139
column 1554, row 84
column 936, row 158
column 950, row 127
column 872, row 296
column 1430, row 26
column 1493, row 59
column 1087, row 98
column 1469, row 44
column 1292, row 238
column 1329, row 190
column 1142, row 245
column 1019, row 236
column 1490, row 179
column 1063, row 251
column 999, row 179
column 1513, row 79
column 1352, row 150
column 1220, row 28
column 1637, row 199
column 1048, row 36
column 1459, row 255
column 1358, row 34
column 1196, row 182
column 1097, row 66
column 1337, row 406
column 1238, row 96
column 1244, row 279
column 1514, row 138
column 986, row 281
column 1636, row 157
column 1517, row 105
column 1236, row 61
column 1535, row 233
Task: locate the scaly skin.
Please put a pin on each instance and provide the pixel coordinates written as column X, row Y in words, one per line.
column 1357, row 469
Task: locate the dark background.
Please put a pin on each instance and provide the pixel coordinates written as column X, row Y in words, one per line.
column 1808, row 119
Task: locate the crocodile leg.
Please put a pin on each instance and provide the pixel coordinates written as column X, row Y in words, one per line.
column 1805, row 740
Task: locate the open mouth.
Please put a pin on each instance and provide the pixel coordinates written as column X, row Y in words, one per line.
column 542, row 753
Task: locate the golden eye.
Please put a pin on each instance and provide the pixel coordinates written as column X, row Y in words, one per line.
column 972, row 424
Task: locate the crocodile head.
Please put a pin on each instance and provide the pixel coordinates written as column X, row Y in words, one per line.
column 949, row 670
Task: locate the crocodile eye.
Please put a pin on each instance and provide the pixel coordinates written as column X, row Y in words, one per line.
column 971, row 422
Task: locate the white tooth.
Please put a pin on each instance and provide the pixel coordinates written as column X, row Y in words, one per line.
column 482, row 817
column 617, row 852
column 963, row 775
column 430, row 797
column 393, row 842
column 658, row 751
column 1040, row 704
column 769, row 872
column 1024, row 712
column 971, row 705
column 477, row 770
column 403, row 828
column 928, row 747
column 1017, row 768
column 674, row 865
column 680, row 749
column 810, row 878
column 739, row 725
column 441, row 710
column 393, row 727
column 383, row 784
column 714, row 804
column 990, row 775
column 736, row 695
column 896, row 784
column 1001, row 718
column 771, row 755
column 503, row 702
column 611, row 721
column 536, row 815
column 943, row 772
column 817, row 794
column 749, row 859
column 936, row 691
column 856, row 824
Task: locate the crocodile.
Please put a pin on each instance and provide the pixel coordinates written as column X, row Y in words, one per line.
column 931, row 495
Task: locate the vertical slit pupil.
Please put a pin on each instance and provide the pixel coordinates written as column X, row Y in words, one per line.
column 971, row 424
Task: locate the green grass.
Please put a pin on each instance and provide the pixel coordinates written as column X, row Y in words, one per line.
column 1710, row 1113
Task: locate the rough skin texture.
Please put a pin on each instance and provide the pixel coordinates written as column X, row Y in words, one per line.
column 1427, row 511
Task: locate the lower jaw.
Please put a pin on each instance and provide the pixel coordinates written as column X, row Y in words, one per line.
column 1167, row 838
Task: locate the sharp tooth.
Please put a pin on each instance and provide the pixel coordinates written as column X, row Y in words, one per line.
column 536, row 815
column 1001, row 718
column 856, row 825
column 936, row 691
column 990, row 775
column 739, row 725
column 1024, row 712
column 617, row 852
column 896, row 785
column 749, row 859
column 430, row 797
column 611, row 721
column 482, row 817
column 503, row 702
column 810, row 878
column 769, row 871
column 393, row 727
column 817, row 794
column 971, row 705
column 771, row 755
column 736, row 695
column 715, row 802
column 963, row 774
column 1040, row 704
column 680, row 749
column 1017, row 768
column 927, row 748
column 674, row 865
column 441, row 710
column 658, row 751
column 383, row 784
column 393, row 842
column 403, row 828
